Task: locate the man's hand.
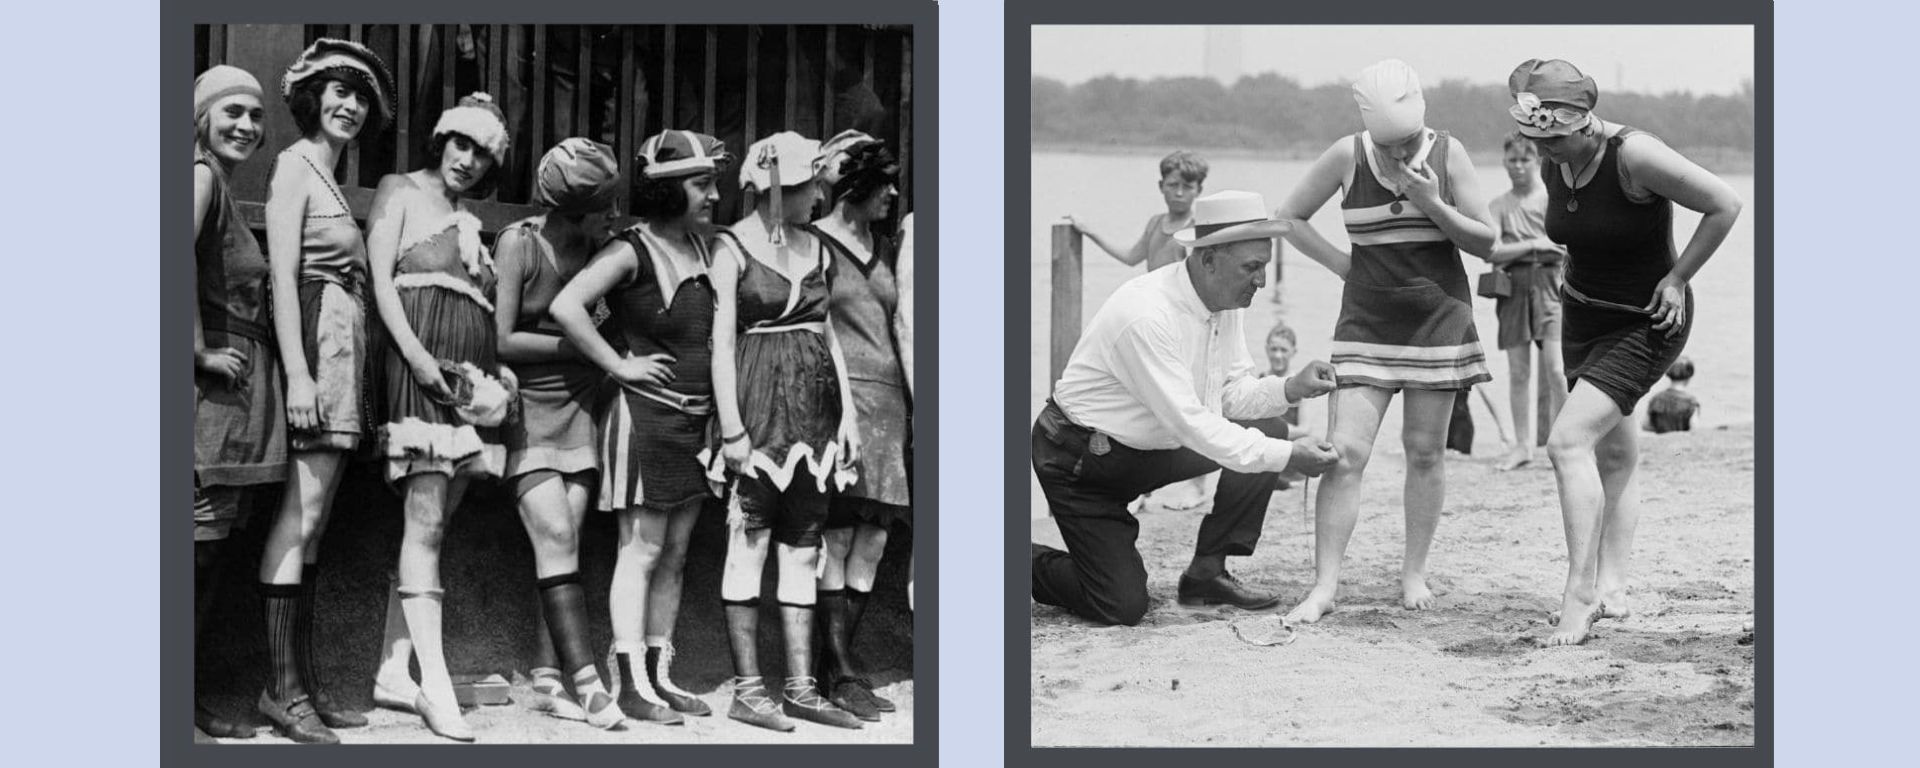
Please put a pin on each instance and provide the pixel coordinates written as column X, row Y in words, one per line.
column 1312, row 381
column 1312, row 456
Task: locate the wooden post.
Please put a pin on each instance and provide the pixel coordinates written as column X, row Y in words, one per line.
column 713, row 65
column 538, row 108
column 791, row 103
column 450, row 42
column 403, row 101
column 353, row 150
column 583, row 83
column 669, row 82
column 626, row 146
column 1066, row 298
column 753, row 84
column 906, row 122
column 826, row 73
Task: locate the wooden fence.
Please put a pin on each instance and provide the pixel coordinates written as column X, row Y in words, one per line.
column 616, row 84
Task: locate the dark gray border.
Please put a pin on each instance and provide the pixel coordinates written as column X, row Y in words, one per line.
column 176, row 421
column 1020, row 17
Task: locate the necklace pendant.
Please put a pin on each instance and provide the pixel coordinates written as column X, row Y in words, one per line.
column 1396, row 207
column 1573, row 204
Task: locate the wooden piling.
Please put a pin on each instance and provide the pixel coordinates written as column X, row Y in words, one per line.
column 1065, row 326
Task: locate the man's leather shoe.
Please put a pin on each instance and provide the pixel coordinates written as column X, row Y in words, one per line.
column 295, row 719
column 1223, row 589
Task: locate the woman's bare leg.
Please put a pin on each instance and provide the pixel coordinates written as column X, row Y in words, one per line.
column 1618, row 457
column 1587, row 416
column 1353, row 420
column 1424, row 436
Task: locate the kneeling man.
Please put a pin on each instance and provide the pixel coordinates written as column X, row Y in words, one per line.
column 1161, row 389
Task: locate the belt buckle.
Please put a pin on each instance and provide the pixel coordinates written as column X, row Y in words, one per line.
column 1099, row 445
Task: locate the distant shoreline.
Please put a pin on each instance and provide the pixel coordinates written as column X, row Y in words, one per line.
column 1716, row 159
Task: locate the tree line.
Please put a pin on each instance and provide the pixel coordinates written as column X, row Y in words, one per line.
column 1274, row 112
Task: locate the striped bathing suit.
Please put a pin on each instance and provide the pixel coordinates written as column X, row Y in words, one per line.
column 1406, row 313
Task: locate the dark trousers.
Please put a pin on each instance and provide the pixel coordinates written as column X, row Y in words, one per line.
column 1101, row 576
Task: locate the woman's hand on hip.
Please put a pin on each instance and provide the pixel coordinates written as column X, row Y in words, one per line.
column 1669, row 306
column 647, row 369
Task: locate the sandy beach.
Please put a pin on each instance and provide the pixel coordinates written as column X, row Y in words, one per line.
column 1471, row 672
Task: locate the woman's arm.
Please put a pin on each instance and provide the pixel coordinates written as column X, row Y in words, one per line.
column 513, row 256
column 225, row 362
column 614, row 265
column 286, row 216
column 384, row 224
column 1659, row 169
column 1322, row 181
column 725, row 274
column 1656, row 167
column 849, row 413
column 1465, row 221
column 903, row 308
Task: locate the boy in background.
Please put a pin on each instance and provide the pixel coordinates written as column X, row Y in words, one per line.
column 1672, row 409
column 1183, row 175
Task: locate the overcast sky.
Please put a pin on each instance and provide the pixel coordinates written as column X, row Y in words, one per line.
column 1651, row 59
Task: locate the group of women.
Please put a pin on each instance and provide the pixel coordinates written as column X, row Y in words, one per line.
column 763, row 363
column 1410, row 203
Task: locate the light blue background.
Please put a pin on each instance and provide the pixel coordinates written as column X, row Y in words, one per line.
column 81, row 648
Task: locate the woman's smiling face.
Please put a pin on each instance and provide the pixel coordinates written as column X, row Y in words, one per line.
column 234, row 128
column 343, row 111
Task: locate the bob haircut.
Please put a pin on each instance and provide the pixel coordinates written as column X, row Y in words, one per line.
column 657, row 199
column 437, row 145
column 305, row 104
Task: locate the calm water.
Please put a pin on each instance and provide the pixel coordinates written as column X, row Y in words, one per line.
column 1114, row 195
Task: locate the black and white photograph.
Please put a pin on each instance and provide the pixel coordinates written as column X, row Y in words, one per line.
column 1393, row 386
column 553, row 384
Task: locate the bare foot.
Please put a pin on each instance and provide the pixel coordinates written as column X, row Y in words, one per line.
column 1572, row 623
column 1614, row 605
column 1515, row 459
column 1414, row 595
column 1317, row 603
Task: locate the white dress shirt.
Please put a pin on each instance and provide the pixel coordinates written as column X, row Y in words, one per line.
column 1157, row 370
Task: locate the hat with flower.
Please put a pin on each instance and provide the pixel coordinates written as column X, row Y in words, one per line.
column 1551, row 98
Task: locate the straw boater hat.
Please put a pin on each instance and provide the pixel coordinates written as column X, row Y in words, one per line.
column 1230, row 216
column 1551, row 98
column 1392, row 106
column 343, row 58
column 479, row 119
column 671, row 154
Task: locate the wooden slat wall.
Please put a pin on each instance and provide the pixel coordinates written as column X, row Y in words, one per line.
column 403, row 129
column 539, row 75
column 906, row 123
column 753, row 82
column 265, row 49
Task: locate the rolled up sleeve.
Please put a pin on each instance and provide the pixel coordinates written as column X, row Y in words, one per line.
column 1249, row 395
column 1147, row 363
